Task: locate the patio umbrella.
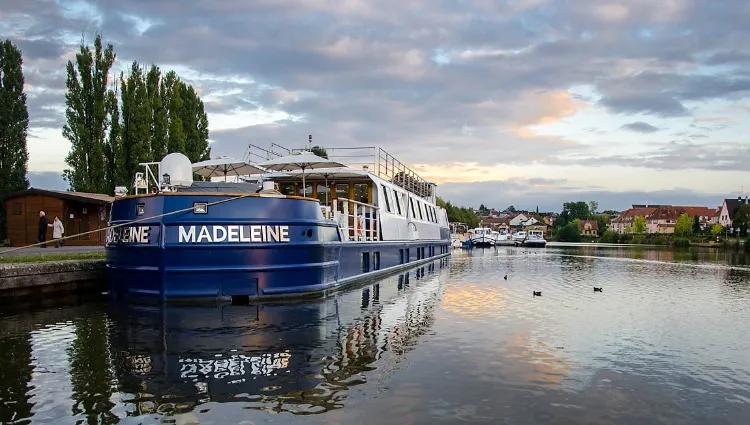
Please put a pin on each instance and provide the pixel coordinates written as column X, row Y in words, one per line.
column 224, row 165
column 299, row 161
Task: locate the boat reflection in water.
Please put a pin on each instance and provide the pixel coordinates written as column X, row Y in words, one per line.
column 297, row 357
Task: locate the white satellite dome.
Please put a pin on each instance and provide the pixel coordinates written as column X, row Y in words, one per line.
column 179, row 168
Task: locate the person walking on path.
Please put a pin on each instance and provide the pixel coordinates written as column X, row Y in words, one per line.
column 57, row 231
column 42, row 232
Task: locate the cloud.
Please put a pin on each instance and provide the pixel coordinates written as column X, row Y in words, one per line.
column 549, row 197
column 446, row 86
column 640, row 127
column 47, row 180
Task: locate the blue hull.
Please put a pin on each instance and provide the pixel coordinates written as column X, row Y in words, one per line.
column 254, row 247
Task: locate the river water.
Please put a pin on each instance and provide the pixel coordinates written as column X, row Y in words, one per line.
column 664, row 342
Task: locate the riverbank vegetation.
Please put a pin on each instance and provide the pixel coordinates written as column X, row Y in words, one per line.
column 52, row 256
column 459, row 214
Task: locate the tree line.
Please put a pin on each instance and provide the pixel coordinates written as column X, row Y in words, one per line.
column 115, row 125
column 459, row 214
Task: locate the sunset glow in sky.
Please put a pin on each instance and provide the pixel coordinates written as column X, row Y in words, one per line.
column 529, row 102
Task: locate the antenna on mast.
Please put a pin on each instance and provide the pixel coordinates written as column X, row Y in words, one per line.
column 309, row 142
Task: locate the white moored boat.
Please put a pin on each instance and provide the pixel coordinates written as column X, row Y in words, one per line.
column 503, row 238
column 482, row 236
column 535, row 238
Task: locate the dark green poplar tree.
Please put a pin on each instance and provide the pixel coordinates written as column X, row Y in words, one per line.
column 14, row 124
column 195, row 124
column 173, row 101
column 158, row 113
column 113, row 146
column 87, row 117
column 136, row 122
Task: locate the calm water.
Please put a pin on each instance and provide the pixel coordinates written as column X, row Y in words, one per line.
column 666, row 342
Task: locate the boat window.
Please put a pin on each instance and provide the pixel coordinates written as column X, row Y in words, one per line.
column 342, row 191
column 419, row 207
column 360, row 193
column 287, row 189
column 398, row 201
column 386, row 195
column 411, row 204
column 434, row 215
column 308, row 191
column 429, row 214
column 322, row 193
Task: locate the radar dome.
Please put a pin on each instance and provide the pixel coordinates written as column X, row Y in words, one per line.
column 178, row 167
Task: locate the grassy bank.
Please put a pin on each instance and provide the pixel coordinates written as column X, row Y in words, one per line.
column 40, row 258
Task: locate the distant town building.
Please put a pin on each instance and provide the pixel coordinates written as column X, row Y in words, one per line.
column 589, row 227
column 728, row 208
column 662, row 218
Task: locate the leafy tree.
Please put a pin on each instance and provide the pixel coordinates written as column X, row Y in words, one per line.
column 159, row 121
column 511, row 209
column 602, row 220
column 741, row 219
column 136, row 122
column 148, row 116
column 482, row 208
column 593, row 207
column 173, row 100
column 684, row 225
column 14, row 124
column 717, row 229
column 113, row 145
column 608, row 237
column 696, row 225
column 572, row 211
column 320, row 151
column 639, row 225
column 459, row 214
column 194, row 124
column 571, row 232
column 87, row 118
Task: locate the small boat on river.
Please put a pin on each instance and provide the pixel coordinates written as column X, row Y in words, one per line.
column 535, row 239
column 482, row 237
column 503, row 239
column 310, row 226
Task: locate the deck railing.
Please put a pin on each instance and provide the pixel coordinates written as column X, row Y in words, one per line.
column 358, row 221
column 373, row 159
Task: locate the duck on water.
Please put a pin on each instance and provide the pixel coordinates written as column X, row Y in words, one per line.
column 312, row 226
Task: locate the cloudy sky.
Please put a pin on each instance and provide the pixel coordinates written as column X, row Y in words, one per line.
column 524, row 102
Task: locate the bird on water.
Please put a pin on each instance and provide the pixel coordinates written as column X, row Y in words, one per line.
column 597, row 289
column 537, row 294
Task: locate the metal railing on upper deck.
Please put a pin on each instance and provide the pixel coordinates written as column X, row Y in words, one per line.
column 364, row 219
column 373, row 159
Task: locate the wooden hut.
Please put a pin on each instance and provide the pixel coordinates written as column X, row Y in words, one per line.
column 80, row 212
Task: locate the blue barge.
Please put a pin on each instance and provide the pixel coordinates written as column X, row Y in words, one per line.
column 194, row 240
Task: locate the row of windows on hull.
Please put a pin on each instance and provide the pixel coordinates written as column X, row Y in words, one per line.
column 404, row 254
